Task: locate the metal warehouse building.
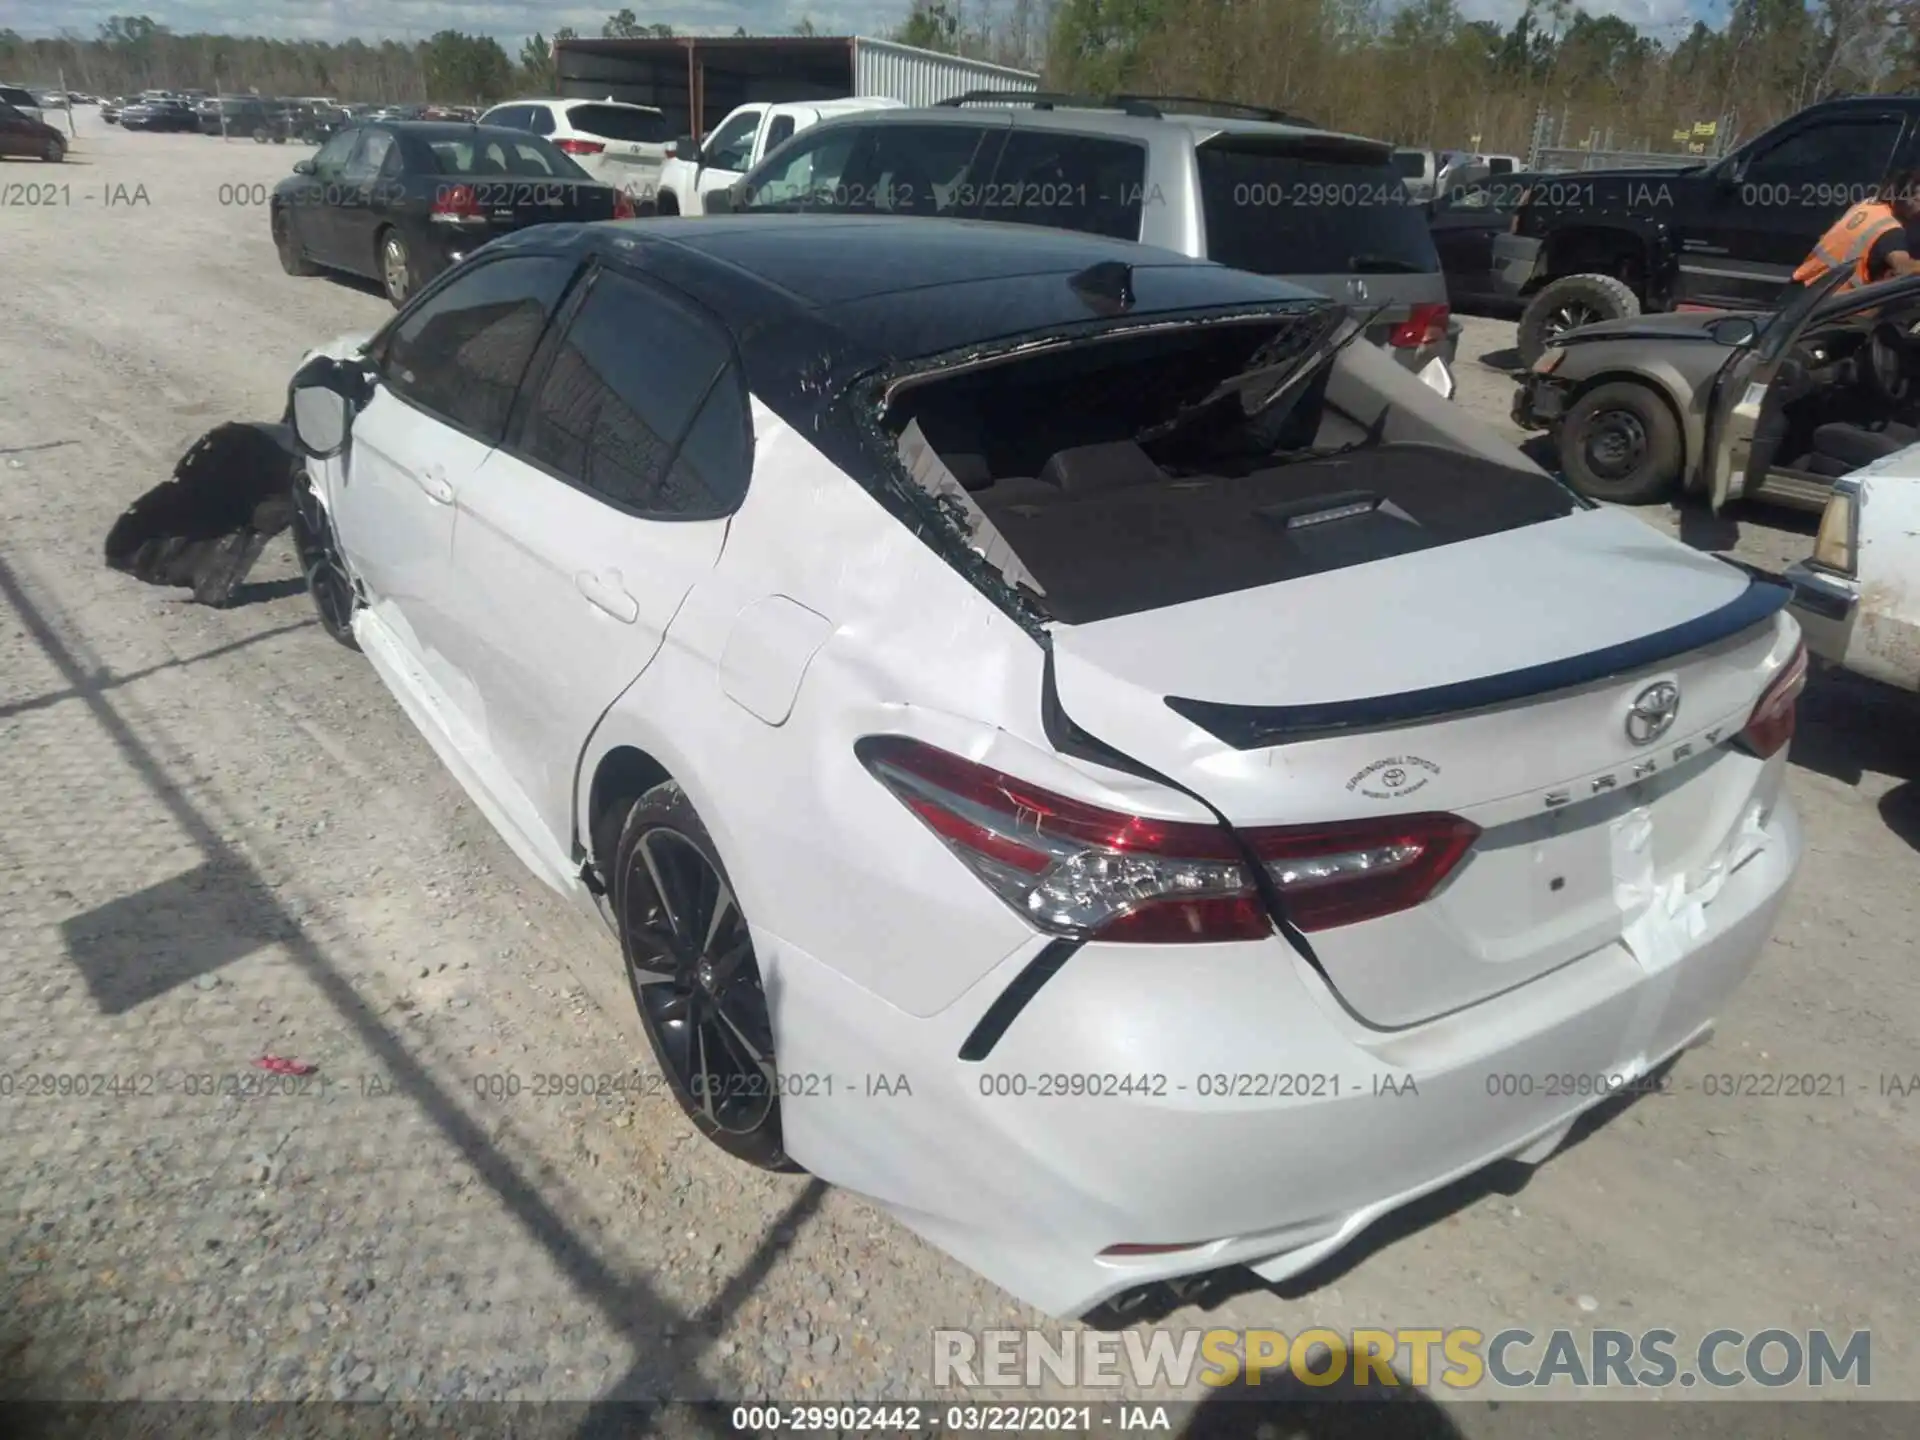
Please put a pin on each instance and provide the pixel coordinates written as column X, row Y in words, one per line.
column 697, row 79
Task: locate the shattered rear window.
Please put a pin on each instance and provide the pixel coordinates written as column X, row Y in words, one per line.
column 1106, row 479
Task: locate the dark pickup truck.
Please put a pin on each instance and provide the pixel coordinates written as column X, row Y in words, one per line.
column 1589, row 245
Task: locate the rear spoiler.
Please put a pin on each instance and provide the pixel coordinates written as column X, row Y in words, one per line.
column 1255, row 727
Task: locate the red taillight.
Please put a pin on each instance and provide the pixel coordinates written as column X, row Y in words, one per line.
column 580, row 147
column 1770, row 726
column 456, row 202
column 1071, row 868
column 1427, row 325
column 1342, row 873
column 1076, row 869
column 622, row 205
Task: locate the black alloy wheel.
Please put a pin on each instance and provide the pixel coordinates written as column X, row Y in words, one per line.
column 690, row 962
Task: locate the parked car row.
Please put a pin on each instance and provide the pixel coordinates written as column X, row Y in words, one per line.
column 1129, row 169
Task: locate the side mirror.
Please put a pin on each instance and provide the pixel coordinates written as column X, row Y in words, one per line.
column 1734, row 330
column 322, row 398
column 303, row 167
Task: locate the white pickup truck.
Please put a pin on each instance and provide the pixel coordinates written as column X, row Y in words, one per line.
column 1858, row 596
column 692, row 172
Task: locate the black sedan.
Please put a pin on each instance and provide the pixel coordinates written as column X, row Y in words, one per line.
column 159, row 115
column 401, row 201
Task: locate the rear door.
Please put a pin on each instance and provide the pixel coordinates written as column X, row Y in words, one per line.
column 1330, row 214
column 578, row 541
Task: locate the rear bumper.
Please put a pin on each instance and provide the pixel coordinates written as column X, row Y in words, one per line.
column 1846, row 630
column 1237, row 1108
column 1516, row 263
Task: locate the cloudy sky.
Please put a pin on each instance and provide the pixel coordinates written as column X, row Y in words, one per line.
column 510, row 19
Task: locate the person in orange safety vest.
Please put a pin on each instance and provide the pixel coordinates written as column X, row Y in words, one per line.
column 1871, row 239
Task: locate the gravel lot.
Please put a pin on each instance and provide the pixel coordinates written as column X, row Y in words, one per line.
column 220, row 838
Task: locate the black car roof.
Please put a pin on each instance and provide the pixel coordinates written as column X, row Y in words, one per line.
column 889, row 289
column 816, row 302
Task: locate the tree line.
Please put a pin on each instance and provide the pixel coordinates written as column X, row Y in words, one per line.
column 1420, row 73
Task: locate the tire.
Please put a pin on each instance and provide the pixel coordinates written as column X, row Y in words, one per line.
column 293, row 259
column 1568, row 303
column 1620, row 442
column 668, row 203
column 55, row 152
column 260, row 136
column 335, row 596
column 395, row 267
column 690, row 964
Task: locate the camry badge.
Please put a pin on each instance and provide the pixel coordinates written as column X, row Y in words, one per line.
column 1653, row 712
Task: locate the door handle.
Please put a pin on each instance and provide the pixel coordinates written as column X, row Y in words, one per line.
column 606, row 593
column 433, row 480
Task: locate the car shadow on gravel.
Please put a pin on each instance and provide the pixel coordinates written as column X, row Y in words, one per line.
column 1287, row 1408
column 627, row 1303
column 1851, row 726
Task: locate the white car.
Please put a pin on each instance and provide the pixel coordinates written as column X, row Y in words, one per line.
column 622, row 145
column 1071, row 747
column 696, row 172
column 1858, row 594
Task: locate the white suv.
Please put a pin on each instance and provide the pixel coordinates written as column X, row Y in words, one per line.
column 612, row 141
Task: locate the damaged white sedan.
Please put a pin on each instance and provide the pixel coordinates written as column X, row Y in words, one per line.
column 1072, row 748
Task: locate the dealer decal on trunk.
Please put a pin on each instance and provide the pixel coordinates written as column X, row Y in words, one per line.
column 1391, row 778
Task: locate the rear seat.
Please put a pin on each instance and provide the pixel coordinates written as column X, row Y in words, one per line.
column 1069, row 475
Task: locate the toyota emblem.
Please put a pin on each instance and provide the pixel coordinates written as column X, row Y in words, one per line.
column 1653, row 712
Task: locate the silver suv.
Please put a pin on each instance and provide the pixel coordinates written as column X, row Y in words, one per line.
column 1254, row 189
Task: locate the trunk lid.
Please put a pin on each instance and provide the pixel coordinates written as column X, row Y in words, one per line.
column 1416, row 684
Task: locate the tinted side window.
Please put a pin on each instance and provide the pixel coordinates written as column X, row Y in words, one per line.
column 917, row 170
column 624, row 386
column 1837, row 153
column 367, row 160
column 780, row 130
column 540, row 120
column 808, row 175
column 333, row 155
column 514, row 117
column 462, row 352
column 1069, row 182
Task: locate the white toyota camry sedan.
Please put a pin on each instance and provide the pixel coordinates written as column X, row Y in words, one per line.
column 1072, row 748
